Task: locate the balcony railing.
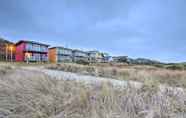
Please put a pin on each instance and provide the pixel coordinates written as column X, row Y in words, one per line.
column 34, row 58
column 64, row 52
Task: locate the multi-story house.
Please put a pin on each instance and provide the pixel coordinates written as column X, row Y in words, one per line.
column 95, row 56
column 60, row 54
column 31, row 51
column 7, row 50
column 106, row 57
column 79, row 55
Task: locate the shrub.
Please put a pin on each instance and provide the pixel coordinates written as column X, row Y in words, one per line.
column 82, row 62
column 175, row 67
column 159, row 65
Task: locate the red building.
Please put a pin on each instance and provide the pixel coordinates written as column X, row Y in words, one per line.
column 31, row 51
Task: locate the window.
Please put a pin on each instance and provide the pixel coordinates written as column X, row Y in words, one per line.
column 43, row 48
column 29, row 47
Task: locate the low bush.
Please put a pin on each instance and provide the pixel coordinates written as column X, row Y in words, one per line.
column 82, row 62
column 159, row 65
column 175, row 67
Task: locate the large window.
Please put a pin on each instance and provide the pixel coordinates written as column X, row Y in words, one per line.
column 44, row 49
column 29, row 47
column 36, row 47
column 62, row 58
column 64, row 52
column 81, row 54
column 36, row 57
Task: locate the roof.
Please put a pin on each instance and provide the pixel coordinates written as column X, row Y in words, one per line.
column 33, row 42
column 119, row 57
column 94, row 51
column 61, row 48
column 5, row 41
column 76, row 50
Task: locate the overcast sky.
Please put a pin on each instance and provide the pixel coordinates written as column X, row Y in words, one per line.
column 153, row 29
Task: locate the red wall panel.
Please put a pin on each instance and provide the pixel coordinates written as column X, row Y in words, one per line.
column 20, row 52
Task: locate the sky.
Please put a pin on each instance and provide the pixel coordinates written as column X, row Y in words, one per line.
column 154, row 29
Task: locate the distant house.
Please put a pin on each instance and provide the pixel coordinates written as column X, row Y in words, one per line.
column 92, row 56
column 106, row 57
column 60, row 54
column 79, row 55
column 95, row 57
column 31, row 51
column 7, row 50
column 120, row 59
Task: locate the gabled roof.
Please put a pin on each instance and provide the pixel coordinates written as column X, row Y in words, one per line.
column 33, row 42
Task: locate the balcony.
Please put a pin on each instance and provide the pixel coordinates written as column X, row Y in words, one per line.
column 36, row 58
column 64, row 52
column 79, row 54
column 36, row 48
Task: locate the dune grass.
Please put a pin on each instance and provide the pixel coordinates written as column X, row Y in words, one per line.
column 141, row 73
column 31, row 94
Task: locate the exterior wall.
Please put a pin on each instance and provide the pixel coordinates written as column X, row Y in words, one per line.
column 92, row 56
column 64, row 51
column 30, row 47
column 5, row 52
column 20, row 52
column 53, row 55
column 37, row 57
column 75, row 59
column 60, row 54
column 80, row 55
column 36, row 52
column 2, row 51
column 96, row 57
column 64, row 58
column 64, row 54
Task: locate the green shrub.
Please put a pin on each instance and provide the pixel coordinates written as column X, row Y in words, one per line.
column 83, row 62
column 175, row 67
column 159, row 65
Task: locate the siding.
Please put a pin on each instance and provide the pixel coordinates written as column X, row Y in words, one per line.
column 19, row 52
column 4, row 50
column 52, row 55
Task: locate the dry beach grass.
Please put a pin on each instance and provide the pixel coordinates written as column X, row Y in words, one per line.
column 32, row 94
column 175, row 78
